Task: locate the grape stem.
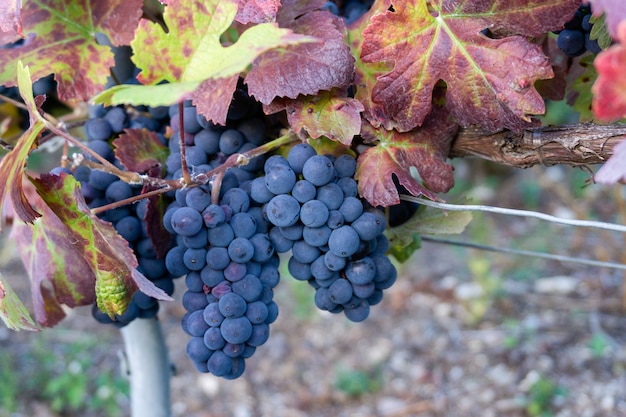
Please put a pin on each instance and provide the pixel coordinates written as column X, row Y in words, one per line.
column 181, row 139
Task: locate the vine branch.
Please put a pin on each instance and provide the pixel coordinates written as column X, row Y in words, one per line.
column 576, row 145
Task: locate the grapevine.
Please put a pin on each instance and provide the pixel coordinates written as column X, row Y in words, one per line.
column 254, row 129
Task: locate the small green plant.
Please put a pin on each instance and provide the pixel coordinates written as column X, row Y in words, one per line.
column 541, row 396
column 357, row 382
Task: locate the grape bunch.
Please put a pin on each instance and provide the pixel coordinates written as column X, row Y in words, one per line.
column 574, row 39
column 100, row 188
column 336, row 240
column 222, row 244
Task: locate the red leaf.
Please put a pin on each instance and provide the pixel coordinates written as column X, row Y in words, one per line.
column 140, row 150
column 212, row 98
column 61, row 40
column 490, row 81
column 615, row 11
column 257, row 11
column 614, row 170
column 424, row 148
column 10, row 20
column 609, row 90
column 306, row 68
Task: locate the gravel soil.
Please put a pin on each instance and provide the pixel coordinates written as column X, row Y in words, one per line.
column 462, row 333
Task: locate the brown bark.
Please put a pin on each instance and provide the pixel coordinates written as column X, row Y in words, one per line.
column 581, row 144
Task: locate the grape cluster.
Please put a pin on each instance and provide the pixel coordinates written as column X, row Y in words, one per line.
column 222, row 246
column 100, row 188
column 336, row 240
column 574, row 39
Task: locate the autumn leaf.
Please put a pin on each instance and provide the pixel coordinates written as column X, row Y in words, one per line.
column 61, row 39
column 424, row 148
column 58, row 272
column 10, row 19
column 307, row 68
column 12, row 164
column 489, row 81
column 140, row 150
column 609, row 90
column 257, row 11
column 107, row 253
column 331, row 114
column 190, row 53
column 615, row 11
column 614, row 170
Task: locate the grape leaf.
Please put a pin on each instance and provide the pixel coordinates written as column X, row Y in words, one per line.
column 614, row 170
column 609, row 90
column 257, row 11
column 330, row 113
column 46, row 252
column 140, row 150
column 212, row 98
column 614, row 10
column 306, row 68
column 600, row 32
column 581, row 77
column 107, row 253
column 10, row 18
column 12, row 164
column 424, row 148
column 62, row 40
column 490, row 81
column 554, row 88
column 12, row 312
column 191, row 53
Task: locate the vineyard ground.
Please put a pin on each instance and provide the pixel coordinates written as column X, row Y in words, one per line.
column 462, row 333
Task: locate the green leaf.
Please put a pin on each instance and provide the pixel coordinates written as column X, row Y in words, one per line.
column 61, row 39
column 489, row 81
column 191, row 53
column 106, row 252
column 580, row 96
column 13, row 163
column 404, row 239
column 12, row 311
column 600, row 32
column 147, row 95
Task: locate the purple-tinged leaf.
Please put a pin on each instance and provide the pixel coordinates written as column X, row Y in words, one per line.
column 307, row 68
column 257, row 11
column 140, row 150
column 425, row 148
column 10, row 20
column 614, row 170
column 490, row 81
